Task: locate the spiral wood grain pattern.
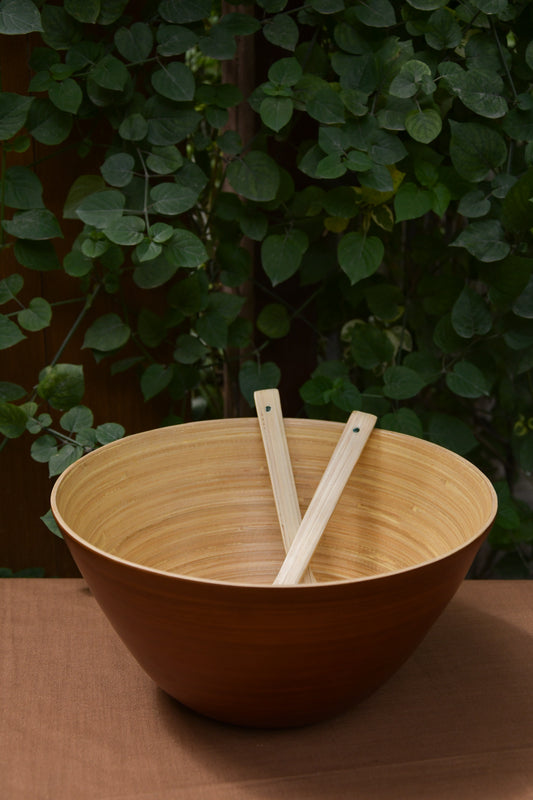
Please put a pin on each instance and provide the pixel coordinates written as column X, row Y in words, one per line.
column 197, row 501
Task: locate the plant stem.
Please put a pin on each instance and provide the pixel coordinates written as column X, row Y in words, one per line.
column 2, row 193
column 146, row 185
column 76, row 324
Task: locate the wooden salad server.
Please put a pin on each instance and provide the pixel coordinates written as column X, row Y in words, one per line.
column 349, row 447
column 269, row 414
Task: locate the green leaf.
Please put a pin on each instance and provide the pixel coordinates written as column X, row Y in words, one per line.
column 118, row 169
column 281, row 255
column 370, row 346
column 134, row 43
column 151, row 328
column 39, row 255
column 133, row 128
column 227, row 304
column 281, row 30
column 256, row 176
column 470, row 314
column 184, row 11
column 110, row 73
column 109, row 432
column 164, row 160
column 523, row 305
column 254, row 376
column 452, row 433
column 63, row 459
column 427, row 5
column 36, row 224
column 425, row 364
column 77, row 419
column 376, row 13
column 345, row 395
column 62, row 385
column 175, row 81
column 445, row 337
column 485, row 240
column 190, row 295
column 442, row 31
column 60, row 29
column 51, row 524
column 189, row 349
column 155, row 379
column 507, row 516
column 43, row 448
column 161, row 232
column 83, row 10
column 341, row 202
column 22, row 188
column 66, row 95
column 317, row 391
column 474, row 204
column 467, row 380
column 154, row 273
column 46, row 123
column 253, row 223
column 101, row 209
column 12, row 420
column 410, row 78
column 108, row 332
column 517, row 208
column 185, row 249
column 423, row 125
column 11, row 391
column 10, row 287
column 285, row 72
column 126, row 230
column 147, row 250
column 401, row 383
column 10, row 333
column 326, row 106
column 331, row 167
column 212, row 328
column 359, row 255
column 19, row 16
column 411, row 202
column 276, row 112
column 526, row 454
column 274, row 321
column 403, row 421
column 82, row 187
column 36, row 316
column 219, row 44
column 13, row 112
column 479, row 90
column 174, row 40
column 172, row 199
column 476, row 150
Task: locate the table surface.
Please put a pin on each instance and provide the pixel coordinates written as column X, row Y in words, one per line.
column 79, row 719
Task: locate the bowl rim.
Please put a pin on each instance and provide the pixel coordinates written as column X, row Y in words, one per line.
column 483, row 530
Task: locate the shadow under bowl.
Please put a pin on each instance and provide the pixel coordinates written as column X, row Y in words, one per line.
column 175, row 531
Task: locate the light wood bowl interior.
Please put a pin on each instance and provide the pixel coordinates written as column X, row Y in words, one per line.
column 195, row 500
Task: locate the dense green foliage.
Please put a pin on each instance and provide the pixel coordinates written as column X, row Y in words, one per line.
column 390, row 178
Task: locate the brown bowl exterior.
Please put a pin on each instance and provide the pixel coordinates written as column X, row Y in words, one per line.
column 175, row 532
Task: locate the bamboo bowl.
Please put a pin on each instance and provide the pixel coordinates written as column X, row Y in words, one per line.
column 175, row 531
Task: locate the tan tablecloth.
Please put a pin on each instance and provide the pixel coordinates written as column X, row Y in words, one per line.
column 79, row 719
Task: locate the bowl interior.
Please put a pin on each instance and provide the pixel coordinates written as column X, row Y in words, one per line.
column 196, row 500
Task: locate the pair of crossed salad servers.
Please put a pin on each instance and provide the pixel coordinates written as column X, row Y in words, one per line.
column 301, row 536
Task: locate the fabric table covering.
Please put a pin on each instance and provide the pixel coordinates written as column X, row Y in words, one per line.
column 81, row 721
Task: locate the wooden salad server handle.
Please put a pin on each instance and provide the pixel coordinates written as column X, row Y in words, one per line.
column 269, row 414
column 349, row 447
